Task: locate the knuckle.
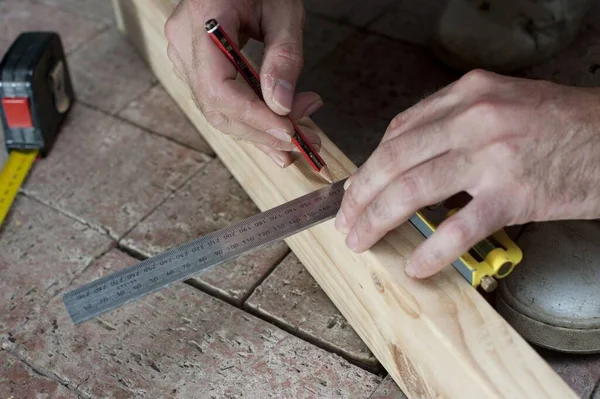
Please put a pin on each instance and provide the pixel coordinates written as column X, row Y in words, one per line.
column 459, row 232
column 366, row 225
column 251, row 107
column 274, row 143
column 291, row 54
column 380, row 209
column 486, row 109
column 409, row 188
column 397, row 122
column 244, row 137
column 207, row 93
column 350, row 199
column 388, row 153
column 168, row 29
column 217, row 119
column 476, row 78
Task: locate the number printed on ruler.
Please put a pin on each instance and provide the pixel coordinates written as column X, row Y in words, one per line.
column 155, row 273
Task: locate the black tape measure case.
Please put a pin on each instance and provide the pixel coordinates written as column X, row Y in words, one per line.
column 35, row 91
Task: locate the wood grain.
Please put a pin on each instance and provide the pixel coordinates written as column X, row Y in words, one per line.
column 436, row 338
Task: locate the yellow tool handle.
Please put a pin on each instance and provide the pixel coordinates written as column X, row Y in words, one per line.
column 497, row 260
column 12, row 176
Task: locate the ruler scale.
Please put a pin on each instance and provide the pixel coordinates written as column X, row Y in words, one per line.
column 180, row 263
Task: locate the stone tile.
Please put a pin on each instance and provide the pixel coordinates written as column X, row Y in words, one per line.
column 17, row 16
column 181, row 342
column 108, row 172
column 355, row 12
column 360, row 99
column 413, row 22
column 579, row 63
column 320, row 38
column 108, row 73
column 388, row 389
column 94, row 10
column 155, row 110
column 41, row 250
column 17, row 380
column 581, row 372
column 356, row 135
column 293, row 299
column 211, row 200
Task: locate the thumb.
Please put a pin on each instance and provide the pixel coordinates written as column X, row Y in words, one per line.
column 282, row 63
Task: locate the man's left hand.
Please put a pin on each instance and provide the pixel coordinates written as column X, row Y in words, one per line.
column 525, row 150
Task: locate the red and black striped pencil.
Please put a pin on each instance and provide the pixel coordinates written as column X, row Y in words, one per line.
column 229, row 48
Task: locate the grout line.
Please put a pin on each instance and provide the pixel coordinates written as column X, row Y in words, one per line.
column 207, row 289
column 100, row 32
column 44, row 374
column 131, row 252
column 150, row 212
column 143, row 128
column 384, row 375
column 67, row 10
column 364, row 29
column 376, row 369
column 85, row 269
column 97, row 228
column 172, row 193
column 259, row 282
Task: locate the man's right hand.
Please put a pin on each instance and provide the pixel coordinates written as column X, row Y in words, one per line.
column 232, row 106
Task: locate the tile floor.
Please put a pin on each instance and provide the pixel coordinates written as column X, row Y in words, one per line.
column 98, row 203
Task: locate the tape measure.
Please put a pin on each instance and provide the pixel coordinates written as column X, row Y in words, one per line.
column 12, row 176
column 36, row 94
column 180, row 263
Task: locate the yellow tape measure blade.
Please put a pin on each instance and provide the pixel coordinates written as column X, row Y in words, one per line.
column 12, row 176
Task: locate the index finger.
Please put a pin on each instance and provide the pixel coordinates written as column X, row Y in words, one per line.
column 218, row 89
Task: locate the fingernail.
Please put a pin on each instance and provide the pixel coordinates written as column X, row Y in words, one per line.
column 352, row 240
column 340, row 222
column 409, row 270
column 312, row 108
column 280, row 134
column 283, row 95
column 347, row 183
column 279, row 160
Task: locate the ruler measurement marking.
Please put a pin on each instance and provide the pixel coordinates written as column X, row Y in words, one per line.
column 179, row 263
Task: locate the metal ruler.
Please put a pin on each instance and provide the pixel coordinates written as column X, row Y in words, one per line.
column 180, row 263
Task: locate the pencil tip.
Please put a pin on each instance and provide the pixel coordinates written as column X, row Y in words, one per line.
column 326, row 175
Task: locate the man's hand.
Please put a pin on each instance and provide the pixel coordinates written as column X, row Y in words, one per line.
column 229, row 105
column 524, row 150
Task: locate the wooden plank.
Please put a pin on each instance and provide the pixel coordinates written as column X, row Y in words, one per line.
column 436, row 338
